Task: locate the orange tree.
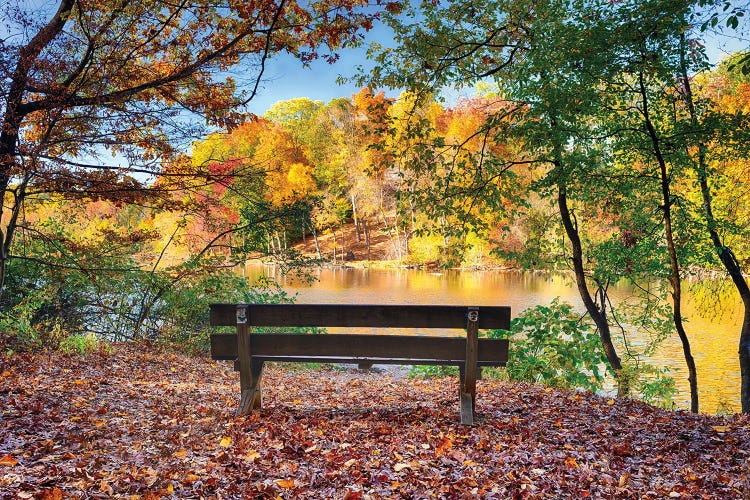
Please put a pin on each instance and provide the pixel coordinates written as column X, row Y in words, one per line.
column 129, row 79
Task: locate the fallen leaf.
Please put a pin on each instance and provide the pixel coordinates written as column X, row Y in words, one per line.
column 225, row 442
column 444, row 445
column 251, row 455
column 720, row 428
column 51, row 494
column 104, row 487
column 286, row 484
column 349, row 463
column 610, row 402
column 401, row 466
column 180, row 453
column 8, row 461
column 353, row 495
column 571, row 463
column 190, row 478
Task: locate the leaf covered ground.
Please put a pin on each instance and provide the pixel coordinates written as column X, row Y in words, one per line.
column 146, row 422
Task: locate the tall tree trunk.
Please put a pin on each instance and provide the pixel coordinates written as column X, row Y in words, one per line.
column 675, row 280
column 356, row 219
column 334, row 245
column 366, row 230
column 315, row 238
column 14, row 114
column 598, row 313
column 269, row 243
column 726, row 256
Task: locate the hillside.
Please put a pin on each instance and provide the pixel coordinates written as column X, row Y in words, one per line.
column 382, row 245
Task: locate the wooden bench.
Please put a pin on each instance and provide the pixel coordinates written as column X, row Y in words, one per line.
column 251, row 350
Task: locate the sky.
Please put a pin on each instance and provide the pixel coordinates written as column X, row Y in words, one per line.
column 285, row 78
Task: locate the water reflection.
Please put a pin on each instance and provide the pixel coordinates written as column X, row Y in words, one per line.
column 712, row 312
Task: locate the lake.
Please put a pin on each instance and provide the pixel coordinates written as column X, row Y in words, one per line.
column 713, row 318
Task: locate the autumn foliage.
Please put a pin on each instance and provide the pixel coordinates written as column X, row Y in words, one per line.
column 145, row 422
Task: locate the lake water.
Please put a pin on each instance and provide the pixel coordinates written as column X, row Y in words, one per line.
column 713, row 324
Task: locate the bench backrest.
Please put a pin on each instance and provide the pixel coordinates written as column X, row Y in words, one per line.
column 358, row 315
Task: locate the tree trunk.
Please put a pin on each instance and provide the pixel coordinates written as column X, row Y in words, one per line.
column 366, row 230
column 675, row 280
column 726, row 256
column 14, row 114
column 598, row 314
column 315, row 238
column 356, row 219
column 334, row 245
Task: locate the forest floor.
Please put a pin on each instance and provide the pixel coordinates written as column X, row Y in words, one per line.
column 149, row 422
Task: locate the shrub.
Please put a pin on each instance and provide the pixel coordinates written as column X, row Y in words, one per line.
column 80, row 344
column 554, row 346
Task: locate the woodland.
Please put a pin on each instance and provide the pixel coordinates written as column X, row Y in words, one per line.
column 594, row 138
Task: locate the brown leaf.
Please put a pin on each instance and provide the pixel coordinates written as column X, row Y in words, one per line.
column 51, row 494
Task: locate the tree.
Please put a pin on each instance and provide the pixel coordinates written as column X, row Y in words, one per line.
column 536, row 52
column 125, row 78
column 720, row 126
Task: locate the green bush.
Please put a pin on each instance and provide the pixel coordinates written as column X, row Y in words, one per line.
column 80, row 344
column 554, row 346
column 432, row 371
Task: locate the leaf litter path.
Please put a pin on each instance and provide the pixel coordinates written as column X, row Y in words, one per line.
column 145, row 422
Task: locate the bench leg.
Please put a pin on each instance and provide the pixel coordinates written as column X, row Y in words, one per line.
column 252, row 395
column 251, row 371
column 466, row 394
column 469, row 379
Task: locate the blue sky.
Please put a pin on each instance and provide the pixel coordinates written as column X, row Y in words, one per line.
column 285, row 78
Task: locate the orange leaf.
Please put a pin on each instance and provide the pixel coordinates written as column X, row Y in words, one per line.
column 180, row 454
column 8, row 461
column 444, row 445
column 190, row 478
column 225, row 442
column 52, row 494
column 286, row 484
column 571, row 462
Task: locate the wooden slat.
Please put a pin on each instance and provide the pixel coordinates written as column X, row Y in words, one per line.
column 350, row 348
column 357, row 315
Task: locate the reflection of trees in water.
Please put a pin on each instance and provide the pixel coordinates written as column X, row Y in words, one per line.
column 716, row 299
